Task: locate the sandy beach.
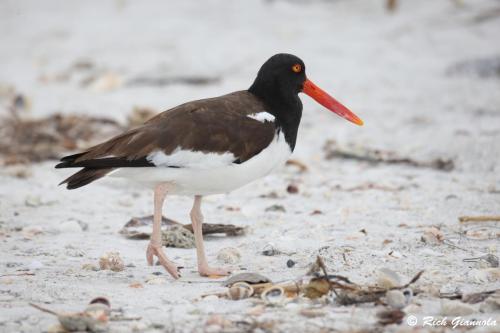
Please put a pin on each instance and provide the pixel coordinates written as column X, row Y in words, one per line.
column 425, row 78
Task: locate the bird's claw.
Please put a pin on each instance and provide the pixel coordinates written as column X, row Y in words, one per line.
column 213, row 271
column 156, row 250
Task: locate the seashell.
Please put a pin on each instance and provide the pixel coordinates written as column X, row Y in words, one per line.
column 250, row 278
column 245, row 286
column 240, row 290
column 101, row 300
column 273, row 295
column 396, row 299
column 432, row 236
column 112, row 261
column 229, row 255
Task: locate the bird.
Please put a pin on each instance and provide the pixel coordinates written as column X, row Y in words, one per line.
column 208, row 146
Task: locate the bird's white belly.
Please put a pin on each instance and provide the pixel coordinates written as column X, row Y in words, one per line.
column 214, row 179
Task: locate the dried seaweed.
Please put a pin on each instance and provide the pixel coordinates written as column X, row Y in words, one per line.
column 141, row 228
column 24, row 140
column 469, row 298
column 488, row 67
column 161, row 81
column 376, row 156
column 363, row 294
column 317, row 283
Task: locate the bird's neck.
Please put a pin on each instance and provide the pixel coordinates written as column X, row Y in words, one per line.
column 285, row 107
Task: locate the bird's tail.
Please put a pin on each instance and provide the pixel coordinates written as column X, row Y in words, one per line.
column 83, row 177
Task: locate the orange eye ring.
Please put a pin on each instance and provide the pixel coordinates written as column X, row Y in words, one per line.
column 297, row 68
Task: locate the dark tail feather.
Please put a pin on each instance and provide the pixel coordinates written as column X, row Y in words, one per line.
column 84, row 177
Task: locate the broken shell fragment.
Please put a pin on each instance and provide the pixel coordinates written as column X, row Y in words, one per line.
column 273, row 295
column 317, row 287
column 250, row 278
column 270, row 250
column 240, row 290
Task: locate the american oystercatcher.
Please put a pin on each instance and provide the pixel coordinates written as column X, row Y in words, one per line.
column 208, row 146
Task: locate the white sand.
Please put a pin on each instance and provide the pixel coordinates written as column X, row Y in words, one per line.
column 390, row 69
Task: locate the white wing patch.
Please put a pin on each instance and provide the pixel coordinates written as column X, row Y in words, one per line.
column 191, row 159
column 262, row 116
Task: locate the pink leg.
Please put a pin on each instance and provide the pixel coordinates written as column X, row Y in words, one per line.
column 155, row 247
column 197, row 221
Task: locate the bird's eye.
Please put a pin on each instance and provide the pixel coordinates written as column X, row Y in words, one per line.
column 297, row 68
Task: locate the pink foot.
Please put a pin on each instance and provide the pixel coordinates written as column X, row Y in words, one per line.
column 213, row 271
column 156, row 250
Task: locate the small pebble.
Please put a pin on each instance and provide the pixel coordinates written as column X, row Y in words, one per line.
column 276, row 208
column 292, row 189
column 290, row 263
column 70, row 226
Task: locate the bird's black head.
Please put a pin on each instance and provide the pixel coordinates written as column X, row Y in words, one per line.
column 279, row 82
column 282, row 75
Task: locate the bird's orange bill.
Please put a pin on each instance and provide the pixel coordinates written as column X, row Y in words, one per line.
column 329, row 102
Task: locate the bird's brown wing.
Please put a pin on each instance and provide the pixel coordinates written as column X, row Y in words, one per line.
column 216, row 125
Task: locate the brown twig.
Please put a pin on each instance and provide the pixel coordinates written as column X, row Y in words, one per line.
column 376, row 156
column 480, row 218
column 19, row 274
column 39, row 307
